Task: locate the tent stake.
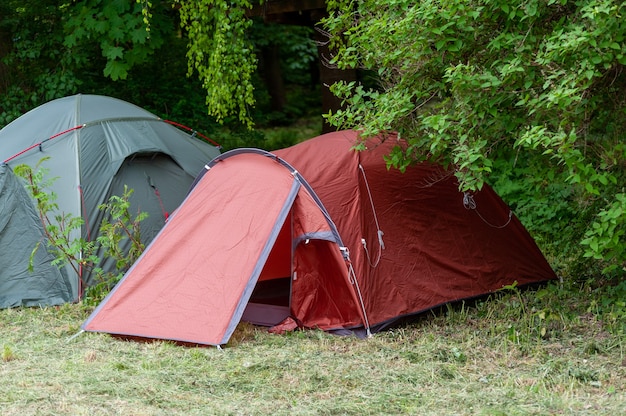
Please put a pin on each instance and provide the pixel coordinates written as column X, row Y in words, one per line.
column 70, row 339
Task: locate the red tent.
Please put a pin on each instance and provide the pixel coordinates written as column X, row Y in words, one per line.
column 320, row 233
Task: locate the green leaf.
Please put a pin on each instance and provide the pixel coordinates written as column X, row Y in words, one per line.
column 116, row 70
column 113, row 52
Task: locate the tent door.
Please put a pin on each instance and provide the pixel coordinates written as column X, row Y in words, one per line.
column 270, row 301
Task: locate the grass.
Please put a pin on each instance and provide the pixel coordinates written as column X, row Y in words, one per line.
column 491, row 357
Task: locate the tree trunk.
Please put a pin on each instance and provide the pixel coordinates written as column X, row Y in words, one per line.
column 328, row 75
column 274, row 77
column 5, row 48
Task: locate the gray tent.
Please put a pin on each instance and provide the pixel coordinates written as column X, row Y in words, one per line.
column 20, row 232
column 97, row 145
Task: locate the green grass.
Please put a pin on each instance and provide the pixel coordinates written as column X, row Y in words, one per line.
column 519, row 353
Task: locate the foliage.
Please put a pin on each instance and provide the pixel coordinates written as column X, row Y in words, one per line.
column 58, row 227
column 118, row 28
column 7, row 353
column 54, row 49
column 136, row 51
column 222, row 48
column 36, row 69
column 79, row 253
column 547, row 205
column 298, row 59
column 121, row 225
column 605, row 238
column 222, row 55
column 609, row 302
column 468, row 83
column 118, row 226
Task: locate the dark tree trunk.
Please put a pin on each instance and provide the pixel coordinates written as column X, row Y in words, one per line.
column 328, row 75
column 308, row 13
column 274, row 77
column 5, row 48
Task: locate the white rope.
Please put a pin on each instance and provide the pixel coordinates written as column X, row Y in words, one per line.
column 358, row 291
column 379, row 232
column 470, row 204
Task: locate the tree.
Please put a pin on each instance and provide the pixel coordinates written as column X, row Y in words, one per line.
column 50, row 49
column 219, row 51
column 225, row 48
column 32, row 65
column 479, row 85
column 528, row 95
column 115, row 28
column 136, row 51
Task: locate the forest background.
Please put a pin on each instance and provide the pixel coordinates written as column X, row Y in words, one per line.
column 527, row 96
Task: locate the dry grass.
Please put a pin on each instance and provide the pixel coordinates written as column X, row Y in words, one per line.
column 463, row 362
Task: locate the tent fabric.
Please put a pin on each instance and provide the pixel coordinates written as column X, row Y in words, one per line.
column 436, row 248
column 20, row 233
column 363, row 246
column 96, row 145
column 197, row 290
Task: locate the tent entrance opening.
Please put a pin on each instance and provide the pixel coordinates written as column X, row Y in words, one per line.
column 270, row 301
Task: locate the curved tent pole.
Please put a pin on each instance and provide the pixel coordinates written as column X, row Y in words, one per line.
column 38, row 145
column 193, row 132
column 43, row 141
column 293, row 171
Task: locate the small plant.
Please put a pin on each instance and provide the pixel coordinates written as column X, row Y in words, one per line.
column 531, row 322
column 58, row 227
column 122, row 225
column 604, row 240
column 80, row 254
column 7, row 354
column 610, row 304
